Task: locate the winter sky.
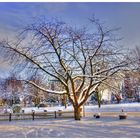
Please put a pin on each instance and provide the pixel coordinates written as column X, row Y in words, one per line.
column 14, row 16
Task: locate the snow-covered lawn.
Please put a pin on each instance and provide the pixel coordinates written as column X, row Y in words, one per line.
column 48, row 109
column 129, row 107
column 88, row 127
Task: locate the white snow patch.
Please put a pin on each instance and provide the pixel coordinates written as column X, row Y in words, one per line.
column 128, row 107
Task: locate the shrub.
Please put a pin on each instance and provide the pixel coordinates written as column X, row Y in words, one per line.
column 16, row 108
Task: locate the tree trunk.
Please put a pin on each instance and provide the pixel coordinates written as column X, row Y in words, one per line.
column 77, row 113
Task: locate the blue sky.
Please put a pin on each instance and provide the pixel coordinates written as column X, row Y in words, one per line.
column 14, row 16
column 125, row 15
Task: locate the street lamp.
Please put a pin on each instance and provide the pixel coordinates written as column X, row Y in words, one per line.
column 33, row 114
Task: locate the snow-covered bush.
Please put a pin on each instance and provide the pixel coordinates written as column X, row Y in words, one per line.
column 16, row 108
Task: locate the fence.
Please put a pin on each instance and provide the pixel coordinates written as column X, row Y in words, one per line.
column 33, row 115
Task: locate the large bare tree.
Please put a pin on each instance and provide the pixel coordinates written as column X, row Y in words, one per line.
column 79, row 59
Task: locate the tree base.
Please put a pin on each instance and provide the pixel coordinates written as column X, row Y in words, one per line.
column 77, row 114
column 77, row 119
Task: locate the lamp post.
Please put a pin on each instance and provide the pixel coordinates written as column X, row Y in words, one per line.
column 10, row 116
column 33, row 114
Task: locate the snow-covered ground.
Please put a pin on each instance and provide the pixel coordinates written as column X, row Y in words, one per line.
column 88, row 127
column 129, row 107
column 48, row 109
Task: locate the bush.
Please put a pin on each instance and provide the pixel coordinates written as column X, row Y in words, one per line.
column 16, row 108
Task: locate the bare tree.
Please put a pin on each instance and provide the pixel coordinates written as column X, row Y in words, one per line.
column 132, row 76
column 79, row 59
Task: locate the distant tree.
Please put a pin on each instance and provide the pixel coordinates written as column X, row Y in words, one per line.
column 11, row 88
column 131, row 85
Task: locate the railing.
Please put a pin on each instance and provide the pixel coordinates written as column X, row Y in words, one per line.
column 33, row 115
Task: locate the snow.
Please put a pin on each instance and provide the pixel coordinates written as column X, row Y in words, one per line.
column 46, row 90
column 48, row 109
column 127, row 107
column 88, row 127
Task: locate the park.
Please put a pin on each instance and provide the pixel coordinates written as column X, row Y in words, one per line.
column 70, row 77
